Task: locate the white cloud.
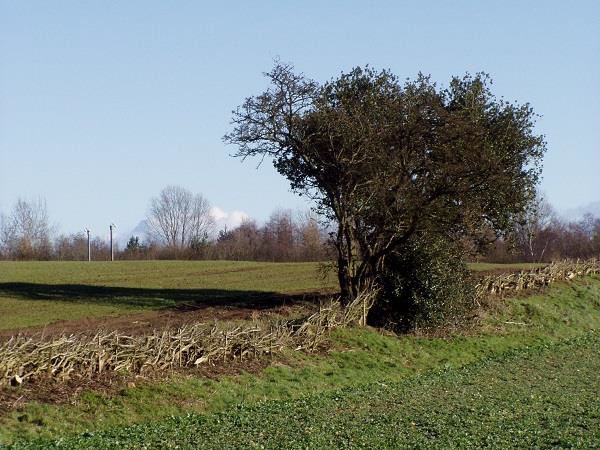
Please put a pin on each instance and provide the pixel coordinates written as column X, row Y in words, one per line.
column 218, row 213
column 230, row 219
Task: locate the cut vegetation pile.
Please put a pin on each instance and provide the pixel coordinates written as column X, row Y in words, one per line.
column 24, row 358
column 535, row 278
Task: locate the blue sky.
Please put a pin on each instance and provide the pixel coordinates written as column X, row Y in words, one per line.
column 103, row 103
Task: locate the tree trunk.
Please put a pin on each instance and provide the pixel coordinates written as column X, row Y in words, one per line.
column 344, row 264
column 348, row 260
column 345, row 280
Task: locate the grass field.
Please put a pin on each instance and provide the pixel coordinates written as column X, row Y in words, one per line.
column 34, row 294
column 493, row 267
column 39, row 293
column 530, row 366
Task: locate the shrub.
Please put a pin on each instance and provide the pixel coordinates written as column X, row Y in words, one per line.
column 425, row 283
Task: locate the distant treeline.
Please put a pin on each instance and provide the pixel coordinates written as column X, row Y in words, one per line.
column 283, row 238
column 26, row 234
column 555, row 240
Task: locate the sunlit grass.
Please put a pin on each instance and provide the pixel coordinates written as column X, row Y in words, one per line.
column 39, row 303
column 484, row 267
column 543, row 396
column 40, row 293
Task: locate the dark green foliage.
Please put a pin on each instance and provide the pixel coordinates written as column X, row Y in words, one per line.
column 425, row 282
column 134, row 244
column 388, row 160
column 135, row 249
column 199, row 245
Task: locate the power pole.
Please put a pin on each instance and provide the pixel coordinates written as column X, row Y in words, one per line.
column 112, row 253
column 87, row 230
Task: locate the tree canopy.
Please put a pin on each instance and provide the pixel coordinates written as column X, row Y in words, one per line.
column 387, row 160
column 178, row 217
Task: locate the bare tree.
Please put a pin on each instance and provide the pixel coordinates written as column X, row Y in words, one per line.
column 278, row 236
column 312, row 237
column 71, row 248
column 532, row 233
column 284, row 237
column 25, row 232
column 177, row 217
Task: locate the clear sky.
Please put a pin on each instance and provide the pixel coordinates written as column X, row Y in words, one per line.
column 103, row 103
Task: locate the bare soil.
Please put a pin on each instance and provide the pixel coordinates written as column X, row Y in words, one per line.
column 142, row 323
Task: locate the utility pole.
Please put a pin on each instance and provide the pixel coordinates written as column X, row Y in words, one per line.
column 112, row 253
column 87, row 230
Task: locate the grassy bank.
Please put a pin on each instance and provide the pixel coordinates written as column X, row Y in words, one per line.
column 540, row 397
column 358, row 358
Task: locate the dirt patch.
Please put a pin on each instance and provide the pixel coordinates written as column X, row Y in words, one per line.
column 54, row 391
column 143, row 323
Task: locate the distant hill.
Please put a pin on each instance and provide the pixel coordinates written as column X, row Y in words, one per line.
column 140, row 230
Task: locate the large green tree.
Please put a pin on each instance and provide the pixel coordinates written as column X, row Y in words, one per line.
column 387, row 160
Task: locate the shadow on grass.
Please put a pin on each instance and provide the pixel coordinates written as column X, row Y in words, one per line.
column 180, row 299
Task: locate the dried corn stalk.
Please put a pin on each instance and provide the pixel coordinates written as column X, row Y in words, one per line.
column 26, row 358
column 535, row 278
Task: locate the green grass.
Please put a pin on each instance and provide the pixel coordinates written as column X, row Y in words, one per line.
column 540, row 397
column 16, row 313
column 234, row 275
column 485, row 267
column 229, row 275
column 358, row 357
column 40, row 293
